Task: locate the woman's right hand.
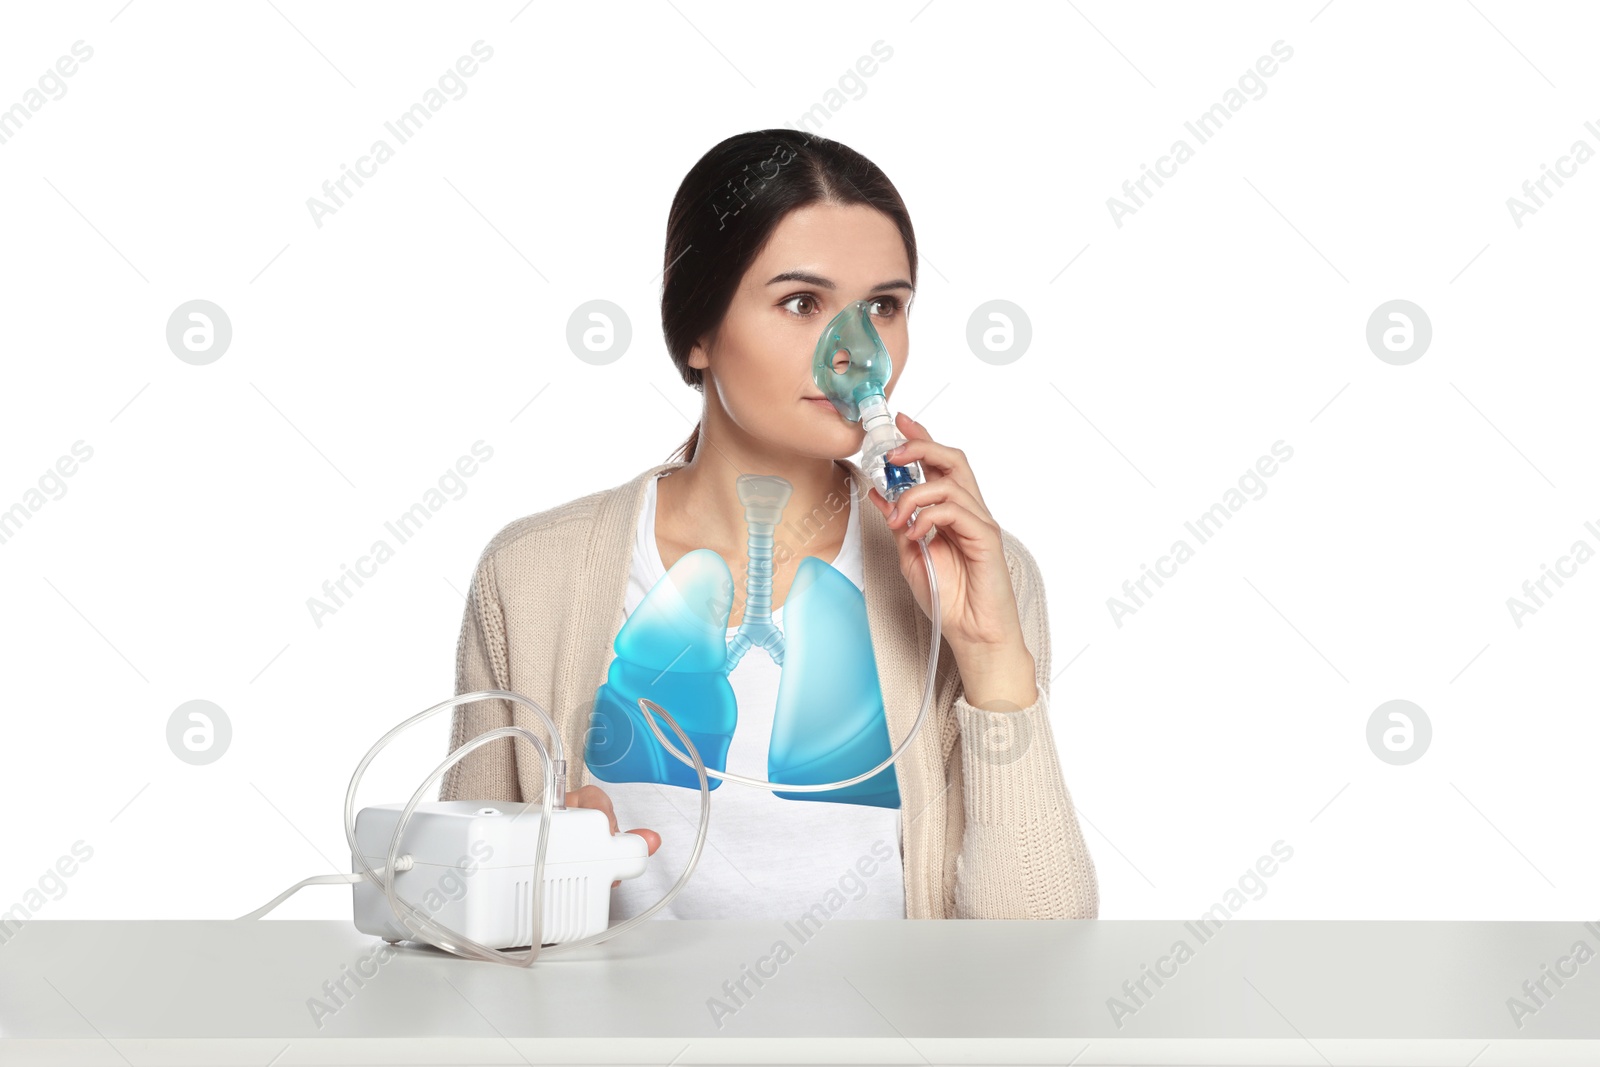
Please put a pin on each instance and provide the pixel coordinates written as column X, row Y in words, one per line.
column 592, row 796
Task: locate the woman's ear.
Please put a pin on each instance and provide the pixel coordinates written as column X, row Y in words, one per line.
column 700, row 354
column 699, row 357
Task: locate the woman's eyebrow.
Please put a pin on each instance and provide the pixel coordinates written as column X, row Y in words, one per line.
column 823, row 283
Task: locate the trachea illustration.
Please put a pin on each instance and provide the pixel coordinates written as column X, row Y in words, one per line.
column 763, row 497
column 674, row 650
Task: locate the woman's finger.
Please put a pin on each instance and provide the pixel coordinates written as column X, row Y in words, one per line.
column 914, row 431
column 941, row 462
column 592, row 796
column 974, row 536
column 911, row 429
column 943, row 458
column 921, row 496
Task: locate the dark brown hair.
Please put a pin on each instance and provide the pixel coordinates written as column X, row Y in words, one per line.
column 725, row 210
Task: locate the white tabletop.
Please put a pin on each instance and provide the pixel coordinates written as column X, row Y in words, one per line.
column 862, row 991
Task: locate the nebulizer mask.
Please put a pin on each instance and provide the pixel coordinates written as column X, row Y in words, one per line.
column 852, row 367
column 551, row 892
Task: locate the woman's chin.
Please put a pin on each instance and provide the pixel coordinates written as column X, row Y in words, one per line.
column 841, row 443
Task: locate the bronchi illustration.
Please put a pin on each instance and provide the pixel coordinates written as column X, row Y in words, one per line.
column 674, row 649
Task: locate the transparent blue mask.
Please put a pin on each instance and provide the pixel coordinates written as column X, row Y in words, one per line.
column 851, row 363
column 852, row 367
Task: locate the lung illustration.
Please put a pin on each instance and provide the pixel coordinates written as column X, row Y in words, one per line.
column 674, row 649
column 829, row 724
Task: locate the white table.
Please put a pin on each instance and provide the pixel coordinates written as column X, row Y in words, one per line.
column 857, row 991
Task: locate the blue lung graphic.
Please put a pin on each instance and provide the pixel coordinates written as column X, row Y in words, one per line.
column 673, row 650
column 828, row 723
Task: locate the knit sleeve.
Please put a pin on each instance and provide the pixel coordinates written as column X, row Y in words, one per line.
column 1022, row 853
column 488, row 772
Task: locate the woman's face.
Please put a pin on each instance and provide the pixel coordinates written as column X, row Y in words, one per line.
column 819, row 259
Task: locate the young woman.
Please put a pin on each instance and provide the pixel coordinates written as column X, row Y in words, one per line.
column 770, row 234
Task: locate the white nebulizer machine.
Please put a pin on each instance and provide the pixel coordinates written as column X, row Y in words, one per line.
column 477, row 877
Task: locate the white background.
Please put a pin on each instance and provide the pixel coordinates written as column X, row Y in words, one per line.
column 1168, row 354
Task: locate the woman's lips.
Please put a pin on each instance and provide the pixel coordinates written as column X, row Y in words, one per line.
column 820, row 401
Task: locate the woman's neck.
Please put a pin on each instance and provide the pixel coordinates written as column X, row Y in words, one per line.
column 698, row 506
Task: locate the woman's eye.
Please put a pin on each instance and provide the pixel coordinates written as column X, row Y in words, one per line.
column 884, row 306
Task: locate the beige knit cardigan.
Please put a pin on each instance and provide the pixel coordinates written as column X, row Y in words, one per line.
column 988, row 828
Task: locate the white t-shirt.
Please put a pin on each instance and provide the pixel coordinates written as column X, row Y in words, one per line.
column 765, row 857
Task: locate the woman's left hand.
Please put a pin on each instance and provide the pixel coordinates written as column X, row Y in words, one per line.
column 977, row 606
